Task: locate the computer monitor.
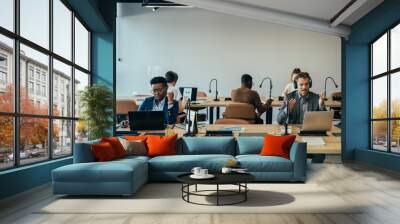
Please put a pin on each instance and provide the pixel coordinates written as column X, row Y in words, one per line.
column 146, row 120
column 189, row 92
column 317, row 121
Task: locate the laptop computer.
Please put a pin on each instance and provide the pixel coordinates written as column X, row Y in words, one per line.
column 146, row 120
column 316, row 123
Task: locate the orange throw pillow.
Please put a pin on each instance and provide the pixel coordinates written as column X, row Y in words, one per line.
column 161, row 145
column 116, row 145
column 103, row 152
column 136, row 137
column 277, row 145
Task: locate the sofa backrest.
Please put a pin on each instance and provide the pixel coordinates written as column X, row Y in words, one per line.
column 206, row 145
column 83, row 152
column 249, row 145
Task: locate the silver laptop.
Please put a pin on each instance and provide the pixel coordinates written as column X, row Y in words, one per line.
column 317, row 121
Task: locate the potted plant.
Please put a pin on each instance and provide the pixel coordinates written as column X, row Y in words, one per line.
column 96, row 103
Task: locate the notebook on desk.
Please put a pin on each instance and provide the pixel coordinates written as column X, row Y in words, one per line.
column 231, row 128
column 313, row 140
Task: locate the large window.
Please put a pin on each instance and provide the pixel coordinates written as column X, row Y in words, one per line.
column 385, row 92
column 44, row 64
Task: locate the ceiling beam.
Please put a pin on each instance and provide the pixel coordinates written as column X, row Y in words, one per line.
column 269, row 15
column 346, row 12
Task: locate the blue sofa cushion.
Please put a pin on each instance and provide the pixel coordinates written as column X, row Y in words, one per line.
column 257, row 163
column 132, row 158
column 249, row 145
column 206, row 145
column 111, row 171
column 185, row 163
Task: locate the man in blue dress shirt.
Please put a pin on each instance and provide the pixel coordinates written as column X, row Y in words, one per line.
column 160, row 102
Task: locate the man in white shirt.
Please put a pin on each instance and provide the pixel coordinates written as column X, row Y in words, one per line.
column 173, row 91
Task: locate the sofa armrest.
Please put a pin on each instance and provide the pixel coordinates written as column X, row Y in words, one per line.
column 298, row 155
column 83, row 152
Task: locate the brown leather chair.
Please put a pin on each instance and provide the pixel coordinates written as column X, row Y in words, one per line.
column 232, row 121
column 122, row 109
column 238, row 113
column 201, row 94
column 124, row 106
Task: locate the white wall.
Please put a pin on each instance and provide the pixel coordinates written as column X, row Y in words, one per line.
column 200, row 45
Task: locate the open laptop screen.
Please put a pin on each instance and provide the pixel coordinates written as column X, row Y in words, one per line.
column 146, row 120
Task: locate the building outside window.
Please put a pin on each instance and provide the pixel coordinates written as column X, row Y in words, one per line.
column 44, row 77
column 3, row 78
column 38, row 89
column 3, row 61
column 30, row 72
column 37, row 74
column 3, row 72
column 30, row 87
column 43, row 90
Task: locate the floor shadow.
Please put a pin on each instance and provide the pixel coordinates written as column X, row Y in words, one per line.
column 256, row 198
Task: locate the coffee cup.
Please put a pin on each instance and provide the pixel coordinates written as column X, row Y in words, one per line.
column 226, row 170
column 196, row 171
column 203, row 172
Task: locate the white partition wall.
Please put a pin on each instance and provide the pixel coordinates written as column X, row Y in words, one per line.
column 200, row 45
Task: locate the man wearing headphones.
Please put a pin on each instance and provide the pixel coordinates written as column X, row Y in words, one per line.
column 300, row 101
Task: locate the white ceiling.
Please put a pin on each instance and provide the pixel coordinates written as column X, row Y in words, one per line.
column 320, row 9
column 314, row 15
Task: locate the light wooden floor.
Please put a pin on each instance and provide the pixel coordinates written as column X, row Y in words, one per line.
column 379, row 189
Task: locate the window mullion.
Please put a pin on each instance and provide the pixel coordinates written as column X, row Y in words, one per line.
column 73, row 81
column 50, row 81
column 16, row 84
column 389, row 101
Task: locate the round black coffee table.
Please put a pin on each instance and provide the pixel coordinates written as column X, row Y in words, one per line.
column 238, row 179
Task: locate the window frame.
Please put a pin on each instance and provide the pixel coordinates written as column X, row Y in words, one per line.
column 388, row 74
column 18, row 40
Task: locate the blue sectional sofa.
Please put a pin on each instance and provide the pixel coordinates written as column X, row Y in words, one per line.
column 125, row 176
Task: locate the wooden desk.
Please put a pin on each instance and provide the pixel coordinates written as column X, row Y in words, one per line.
column 209, row 103
column 332, row 143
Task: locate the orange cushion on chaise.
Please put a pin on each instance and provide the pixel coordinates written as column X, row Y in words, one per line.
column 161, row 145
column 103, row 152
column 116, row 145
column 277, row 145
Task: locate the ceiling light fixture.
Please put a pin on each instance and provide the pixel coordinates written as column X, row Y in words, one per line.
column 156, row 4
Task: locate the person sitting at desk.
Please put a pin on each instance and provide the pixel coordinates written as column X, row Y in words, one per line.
column 159, row 100
column 290, row 86
column 173, row 91
column 245, row 94
column 300, row 101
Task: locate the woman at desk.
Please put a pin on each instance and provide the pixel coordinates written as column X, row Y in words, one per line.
column 290, row 86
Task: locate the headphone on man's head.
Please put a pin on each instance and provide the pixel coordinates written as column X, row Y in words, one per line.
column 295, row 81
